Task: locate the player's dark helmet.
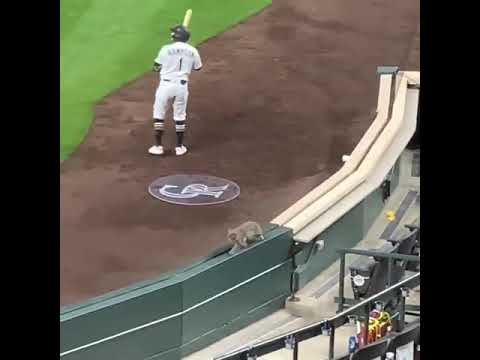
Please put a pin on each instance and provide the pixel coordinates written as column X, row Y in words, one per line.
column 180, row 33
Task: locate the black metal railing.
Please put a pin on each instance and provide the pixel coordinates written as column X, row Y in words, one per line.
column 342, row 301
column 327, row 327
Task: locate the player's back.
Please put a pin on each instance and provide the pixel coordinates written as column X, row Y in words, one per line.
column 177, row 60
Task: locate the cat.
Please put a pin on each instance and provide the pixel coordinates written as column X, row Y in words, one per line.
column 244, row 235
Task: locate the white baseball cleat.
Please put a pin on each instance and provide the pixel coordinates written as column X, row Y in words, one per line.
column 180, row 150
column 156, row 150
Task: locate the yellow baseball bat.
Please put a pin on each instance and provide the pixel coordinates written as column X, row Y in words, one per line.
column 187, row 18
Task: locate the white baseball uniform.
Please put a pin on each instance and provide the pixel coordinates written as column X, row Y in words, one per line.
column 177, row 60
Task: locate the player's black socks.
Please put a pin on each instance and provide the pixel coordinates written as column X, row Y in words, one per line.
column 179, row 138
column 158, row 137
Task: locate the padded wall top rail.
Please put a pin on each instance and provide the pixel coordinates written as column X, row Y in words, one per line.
column 381, row 136
column 384, row 98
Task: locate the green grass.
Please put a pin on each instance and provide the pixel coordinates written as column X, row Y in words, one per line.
column 104, row 44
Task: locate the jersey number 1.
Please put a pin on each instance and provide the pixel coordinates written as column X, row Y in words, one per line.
column 180, row 69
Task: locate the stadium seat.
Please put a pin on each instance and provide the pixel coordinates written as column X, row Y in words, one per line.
column 374, row 271
column 407, row 245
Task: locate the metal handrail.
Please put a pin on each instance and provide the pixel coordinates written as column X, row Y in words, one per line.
column 292, row 339
column 375, row 253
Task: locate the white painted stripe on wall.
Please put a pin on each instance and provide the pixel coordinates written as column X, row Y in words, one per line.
column 158, row 321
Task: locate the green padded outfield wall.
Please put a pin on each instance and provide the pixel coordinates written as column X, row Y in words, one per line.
column 183, row 311
column 189, row 309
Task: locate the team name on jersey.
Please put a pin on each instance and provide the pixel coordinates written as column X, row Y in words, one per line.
column 184, row 52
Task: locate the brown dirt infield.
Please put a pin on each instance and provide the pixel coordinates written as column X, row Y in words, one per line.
column 282, row 96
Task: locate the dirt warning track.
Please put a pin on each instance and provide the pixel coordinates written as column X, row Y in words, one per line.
column 281, row 97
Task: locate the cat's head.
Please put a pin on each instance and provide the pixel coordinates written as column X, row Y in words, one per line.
column 232, row 235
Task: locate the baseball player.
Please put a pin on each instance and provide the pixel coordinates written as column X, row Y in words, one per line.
column 175, row 63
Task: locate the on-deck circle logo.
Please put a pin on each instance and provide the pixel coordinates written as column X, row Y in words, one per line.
column 194, row 189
